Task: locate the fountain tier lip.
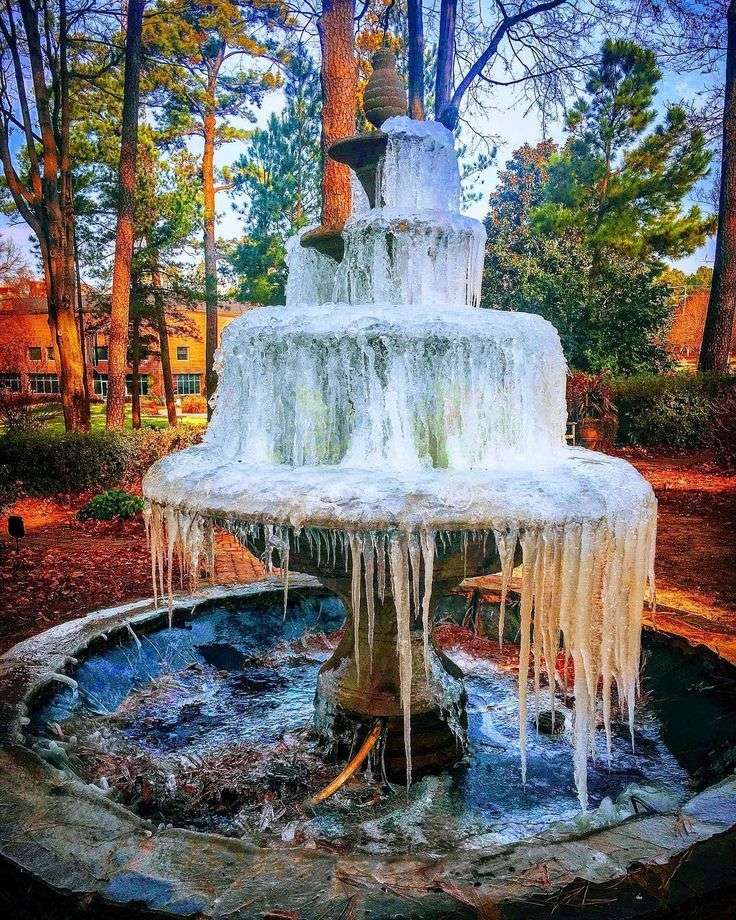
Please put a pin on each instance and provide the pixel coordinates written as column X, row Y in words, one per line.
column 570, row 486
column 405, row 321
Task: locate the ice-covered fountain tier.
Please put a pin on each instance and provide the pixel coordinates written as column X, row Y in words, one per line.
column 383, row 433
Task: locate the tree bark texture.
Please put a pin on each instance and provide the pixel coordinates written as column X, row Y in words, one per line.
column 45, row 203
column 210, row 255
column 339, row 77
column 445, row 60
column 121, row 277
column 135, row 361
column 718, row 331
column 163, row 344
column 416, row 59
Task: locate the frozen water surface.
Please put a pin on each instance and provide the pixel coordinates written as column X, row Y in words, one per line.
column 244, row 675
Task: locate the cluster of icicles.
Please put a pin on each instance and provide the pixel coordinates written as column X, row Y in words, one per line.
column 582, row 590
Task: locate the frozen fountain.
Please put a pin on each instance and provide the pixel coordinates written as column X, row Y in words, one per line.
column 385, row 434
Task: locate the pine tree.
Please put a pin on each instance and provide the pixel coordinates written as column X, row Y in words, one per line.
column 277, row 180
column 621, row 189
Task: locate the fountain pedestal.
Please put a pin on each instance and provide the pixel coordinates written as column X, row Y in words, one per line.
column 348, row 699
column 361, row 682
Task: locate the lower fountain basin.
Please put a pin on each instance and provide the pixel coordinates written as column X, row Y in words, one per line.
column 575, row 485
column 478, row 832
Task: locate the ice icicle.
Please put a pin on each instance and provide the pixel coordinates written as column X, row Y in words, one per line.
column 381, row 567
column 400, row 586
column 506, row 545
column 415, row 555
column 428, row 548
column 172, row 532
column 529, row 542
column 285, row 571
column 356, row 553
column 369, row 563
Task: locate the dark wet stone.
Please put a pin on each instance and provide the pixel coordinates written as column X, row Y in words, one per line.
column 547, row 726
column 258, row 680
column 223, row 656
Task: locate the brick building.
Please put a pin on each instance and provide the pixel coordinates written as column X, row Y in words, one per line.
column 686, row 332
column 29, row 360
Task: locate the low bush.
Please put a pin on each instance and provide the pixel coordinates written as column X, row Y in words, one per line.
column 724, row 428
column 669, row 410
column 8, row 488
column 111, row 504
column 46, row 463
column 21, row 412
column 193, row 404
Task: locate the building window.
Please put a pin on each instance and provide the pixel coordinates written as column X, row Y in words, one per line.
column 99, row 381
column 44, row 383
column 10, row 382
column 187, row 384
column 182, row 352
column 142, row 383
column 100, row 353
column 50, row 352
column 34, row 353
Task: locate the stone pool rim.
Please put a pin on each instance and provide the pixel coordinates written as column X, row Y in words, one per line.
column 73, row 838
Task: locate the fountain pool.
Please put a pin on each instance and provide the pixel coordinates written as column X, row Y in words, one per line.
column 155, row 715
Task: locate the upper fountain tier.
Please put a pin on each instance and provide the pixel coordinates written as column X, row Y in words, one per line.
column 414, row 247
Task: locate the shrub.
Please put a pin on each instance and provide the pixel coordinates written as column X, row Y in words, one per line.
column 193, row 404
column 723, row 433
column 24, row 411
column 111, row 504
column 46, row 463
column 589, row 396
column 669, row 410
column 8, row 488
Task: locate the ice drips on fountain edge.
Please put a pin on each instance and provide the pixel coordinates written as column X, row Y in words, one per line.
column 382, row 364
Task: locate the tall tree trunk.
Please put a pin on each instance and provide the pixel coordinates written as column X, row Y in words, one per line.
column 135, row 361
column 718, row 332
column 120, row 300
column 80, row 311
column 339, row 76
column 445, row 61
column 210, row 256
column 416, row 59
column 163, row 343
column 49, row 214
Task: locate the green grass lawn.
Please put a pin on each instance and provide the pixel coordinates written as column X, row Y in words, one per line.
column 55, row 421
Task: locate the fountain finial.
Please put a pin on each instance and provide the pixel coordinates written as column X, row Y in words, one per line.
column 385, row 93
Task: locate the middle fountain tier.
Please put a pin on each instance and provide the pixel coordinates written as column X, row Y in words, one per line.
column 384, row 434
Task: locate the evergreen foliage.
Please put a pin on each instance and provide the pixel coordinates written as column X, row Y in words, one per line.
column 579, row 234
column 277, row 181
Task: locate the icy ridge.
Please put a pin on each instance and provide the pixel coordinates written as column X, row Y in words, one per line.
column 365, row 386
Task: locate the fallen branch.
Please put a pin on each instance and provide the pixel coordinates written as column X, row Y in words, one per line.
column 357, row 761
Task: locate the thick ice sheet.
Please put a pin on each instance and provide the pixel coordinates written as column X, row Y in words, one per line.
column 381, row 386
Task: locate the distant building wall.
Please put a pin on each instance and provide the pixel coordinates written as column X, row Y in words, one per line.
column 688, row 322
column 29, row 359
